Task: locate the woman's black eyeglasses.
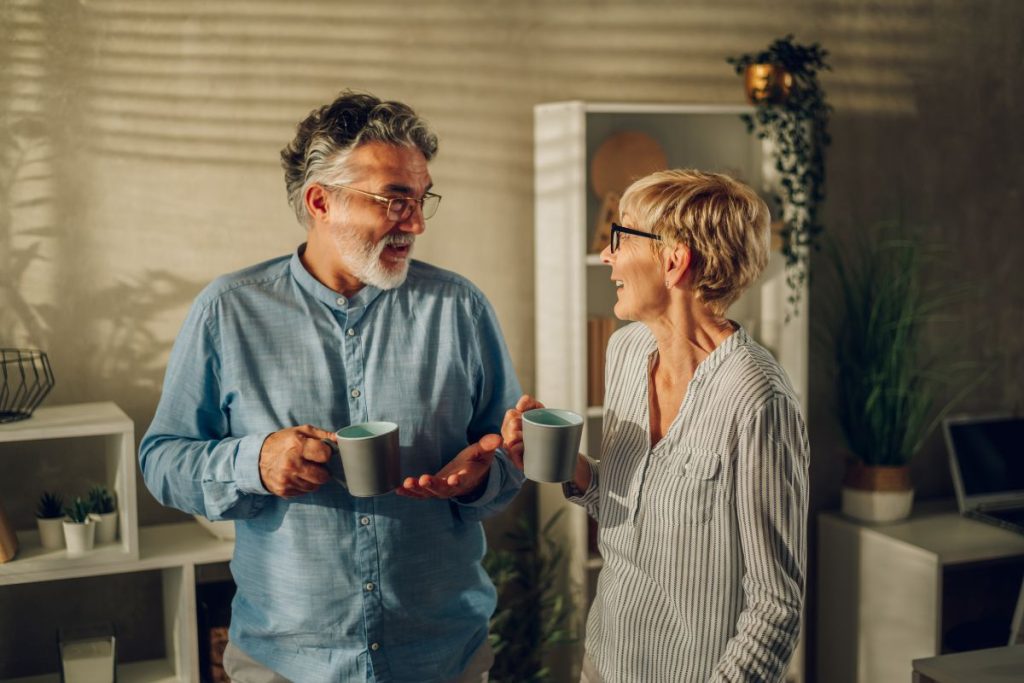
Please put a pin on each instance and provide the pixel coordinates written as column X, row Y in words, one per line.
column 618, row 230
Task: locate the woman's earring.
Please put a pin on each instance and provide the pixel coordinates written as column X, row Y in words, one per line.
column 667, row 285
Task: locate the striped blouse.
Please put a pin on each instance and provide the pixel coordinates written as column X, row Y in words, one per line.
column 704, row 535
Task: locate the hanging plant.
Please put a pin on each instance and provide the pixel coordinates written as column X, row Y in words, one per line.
column 792, row 114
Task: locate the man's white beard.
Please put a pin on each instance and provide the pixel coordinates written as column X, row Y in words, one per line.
column 363, row 258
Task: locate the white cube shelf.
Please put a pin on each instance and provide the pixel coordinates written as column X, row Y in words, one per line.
column 173, row 550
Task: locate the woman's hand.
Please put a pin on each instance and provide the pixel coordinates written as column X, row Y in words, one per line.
column 512, row 428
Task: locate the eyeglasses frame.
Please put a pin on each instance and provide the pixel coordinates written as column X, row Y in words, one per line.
column 386, row 201
column 617, row 229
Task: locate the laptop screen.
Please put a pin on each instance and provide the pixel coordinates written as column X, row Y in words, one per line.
column 989, row 454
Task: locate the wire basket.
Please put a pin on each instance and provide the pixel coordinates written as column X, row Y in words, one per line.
column 26, row 379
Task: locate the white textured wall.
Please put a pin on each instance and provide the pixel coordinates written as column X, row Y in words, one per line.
column 139, row 140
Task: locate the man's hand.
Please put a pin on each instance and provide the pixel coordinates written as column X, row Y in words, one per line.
column 292, row 461
column 512, row 428
column 461, row 476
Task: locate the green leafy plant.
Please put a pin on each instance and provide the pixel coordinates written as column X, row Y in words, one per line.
column 50, row 506
column 798, row 129
column 101, row 501
column 78, row 511
column 531, row 616
column 888, row 379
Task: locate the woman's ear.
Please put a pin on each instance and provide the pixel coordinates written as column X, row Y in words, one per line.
column 676, row 263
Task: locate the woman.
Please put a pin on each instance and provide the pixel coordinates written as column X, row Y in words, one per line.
column 701, row 491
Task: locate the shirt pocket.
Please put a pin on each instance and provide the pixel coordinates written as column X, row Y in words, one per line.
column 696, row 480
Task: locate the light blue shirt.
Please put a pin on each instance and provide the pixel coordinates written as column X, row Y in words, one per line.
column 332, row 587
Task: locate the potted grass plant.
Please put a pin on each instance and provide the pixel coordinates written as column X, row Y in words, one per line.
column 79, row 527
column 50, row 520
column 890, row 378
column 104, row 512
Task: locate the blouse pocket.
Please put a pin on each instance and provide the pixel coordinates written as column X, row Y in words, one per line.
column 697, row 485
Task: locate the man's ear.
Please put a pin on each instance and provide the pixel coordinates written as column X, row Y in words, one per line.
column 317, row 206
column 676, row 263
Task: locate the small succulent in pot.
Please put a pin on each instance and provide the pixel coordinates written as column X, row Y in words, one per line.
column 79, row 527
column 50, row 520
column 78, row 511
column 51, row 506
column 101, row 501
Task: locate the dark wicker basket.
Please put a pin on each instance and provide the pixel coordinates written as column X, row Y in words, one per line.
column 25, row 380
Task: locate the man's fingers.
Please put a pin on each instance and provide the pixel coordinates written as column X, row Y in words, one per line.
column 489, row 442
column 316, row 450
column 313, row 474
column 315, row 432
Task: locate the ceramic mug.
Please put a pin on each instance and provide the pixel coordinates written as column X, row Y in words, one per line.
column 551, row 442
column 366, row 458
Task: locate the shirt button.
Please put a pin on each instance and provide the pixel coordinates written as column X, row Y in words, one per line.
column 355, row 393
column 369, row 586
column 341, row 301
column 375, row 646
column 364, row 521
column 351, row 331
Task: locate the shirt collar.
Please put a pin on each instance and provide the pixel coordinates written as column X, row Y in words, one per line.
column 325, row 294
column 735, row 340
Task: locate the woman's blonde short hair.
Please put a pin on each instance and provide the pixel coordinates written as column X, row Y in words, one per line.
column 723, row 223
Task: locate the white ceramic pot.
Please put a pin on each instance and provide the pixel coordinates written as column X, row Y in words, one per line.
column 877, row 506
column 106, row 526
column 79, row 537
column 51, row 532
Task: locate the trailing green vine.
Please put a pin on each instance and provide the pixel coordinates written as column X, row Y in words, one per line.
column 797, row 127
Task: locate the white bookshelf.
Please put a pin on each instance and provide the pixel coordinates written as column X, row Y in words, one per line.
column 572, row 284
column 174, row 550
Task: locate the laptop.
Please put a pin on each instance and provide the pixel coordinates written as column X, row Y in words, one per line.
column 986, row 456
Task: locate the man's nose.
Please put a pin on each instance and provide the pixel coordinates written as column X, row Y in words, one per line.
column 414, row 223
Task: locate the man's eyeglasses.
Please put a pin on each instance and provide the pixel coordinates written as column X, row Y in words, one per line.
column 618, row 230
column 400, row 208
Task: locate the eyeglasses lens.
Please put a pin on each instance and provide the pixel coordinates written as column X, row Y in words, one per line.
column 400, row 208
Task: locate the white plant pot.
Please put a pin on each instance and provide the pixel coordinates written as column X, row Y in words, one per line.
column 877, row 506
column 106, row 526
column 51, row 532
column 80, row 538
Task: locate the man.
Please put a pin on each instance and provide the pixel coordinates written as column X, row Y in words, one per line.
column 274, row 358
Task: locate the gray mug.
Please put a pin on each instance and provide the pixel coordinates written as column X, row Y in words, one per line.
column 551, row 442
column 366, row 458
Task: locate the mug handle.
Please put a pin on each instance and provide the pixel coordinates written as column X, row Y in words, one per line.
column 334, row 466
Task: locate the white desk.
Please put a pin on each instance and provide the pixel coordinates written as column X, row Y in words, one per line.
column 889, row 592
column 997, row 665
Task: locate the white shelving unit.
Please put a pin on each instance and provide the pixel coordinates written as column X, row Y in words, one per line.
column 572, row 284
column 172, row 549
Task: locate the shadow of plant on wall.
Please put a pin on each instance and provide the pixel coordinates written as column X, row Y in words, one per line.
column 127, row 346
column 24, row 189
